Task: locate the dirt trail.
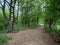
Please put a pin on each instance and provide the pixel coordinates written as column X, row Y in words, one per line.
column 31, row 37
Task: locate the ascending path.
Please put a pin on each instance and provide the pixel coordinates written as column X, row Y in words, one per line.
column 31, row 37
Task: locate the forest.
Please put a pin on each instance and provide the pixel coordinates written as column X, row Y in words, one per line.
column 17, row 16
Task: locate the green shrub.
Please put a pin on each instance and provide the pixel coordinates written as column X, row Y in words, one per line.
column 2, row 22
column 4, row 38
column 55, row 31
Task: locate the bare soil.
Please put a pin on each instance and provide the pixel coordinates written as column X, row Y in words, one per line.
column 31, row 37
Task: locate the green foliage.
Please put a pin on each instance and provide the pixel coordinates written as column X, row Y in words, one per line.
column 19, row 25
column 2, row 22
column 4, row 38
column 52, row 15
column 31, row 12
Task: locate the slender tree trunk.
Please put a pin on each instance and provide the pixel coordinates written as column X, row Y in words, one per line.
column 18, row 10
column 14, row 19
column 6, row 18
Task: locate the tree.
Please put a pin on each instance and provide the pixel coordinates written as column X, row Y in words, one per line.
column 30, row 13
column 52, row 12
column 9, row 21
column 52, row 16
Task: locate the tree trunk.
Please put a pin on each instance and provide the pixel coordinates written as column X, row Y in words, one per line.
column 6, row 18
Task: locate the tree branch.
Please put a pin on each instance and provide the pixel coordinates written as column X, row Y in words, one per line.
column 8, row 3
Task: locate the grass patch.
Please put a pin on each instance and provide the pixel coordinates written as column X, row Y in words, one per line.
column 4, row 38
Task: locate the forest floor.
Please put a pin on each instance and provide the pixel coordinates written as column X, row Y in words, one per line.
column 31, row 37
